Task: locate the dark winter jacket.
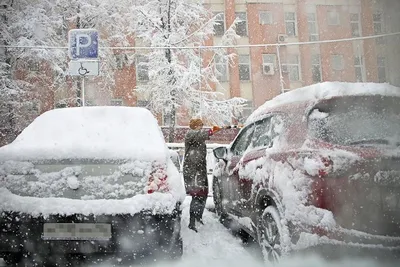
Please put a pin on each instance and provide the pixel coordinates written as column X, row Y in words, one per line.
column 195, row 164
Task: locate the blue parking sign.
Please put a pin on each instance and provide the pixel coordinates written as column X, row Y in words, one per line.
column 83, row 44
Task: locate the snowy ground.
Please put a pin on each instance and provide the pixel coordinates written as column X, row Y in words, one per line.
column 216, row 246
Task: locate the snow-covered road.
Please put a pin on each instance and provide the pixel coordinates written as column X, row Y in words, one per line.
column 215, row 246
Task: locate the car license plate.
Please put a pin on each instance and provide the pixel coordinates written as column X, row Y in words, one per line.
column 76, row 231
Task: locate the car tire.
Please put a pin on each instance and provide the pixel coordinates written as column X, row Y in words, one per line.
column 272, row 235
column 218, row 197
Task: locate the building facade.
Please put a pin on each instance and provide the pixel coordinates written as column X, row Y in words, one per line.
column 305, row 55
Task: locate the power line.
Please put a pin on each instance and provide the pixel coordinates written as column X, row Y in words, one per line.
column 208, row 46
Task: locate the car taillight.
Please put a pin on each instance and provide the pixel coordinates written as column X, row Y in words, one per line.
column 158, row 180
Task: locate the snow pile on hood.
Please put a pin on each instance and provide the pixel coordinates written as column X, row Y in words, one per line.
column 91, row 133
column 326, row 90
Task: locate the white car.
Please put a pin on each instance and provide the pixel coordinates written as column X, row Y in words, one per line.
column 87, row 181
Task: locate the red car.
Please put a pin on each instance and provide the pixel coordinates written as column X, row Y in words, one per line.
column 318, row 167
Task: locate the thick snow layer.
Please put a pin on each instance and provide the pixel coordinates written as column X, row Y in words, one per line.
column 326, row 90
column 90, row 132
column 156, row 202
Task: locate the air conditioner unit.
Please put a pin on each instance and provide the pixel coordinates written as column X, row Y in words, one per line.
column 268, row 69
column 284, row 69
column 282, row 38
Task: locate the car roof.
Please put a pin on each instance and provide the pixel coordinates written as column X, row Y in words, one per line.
column 303, row 98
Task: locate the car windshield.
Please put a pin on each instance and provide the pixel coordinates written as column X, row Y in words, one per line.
column 357, row 121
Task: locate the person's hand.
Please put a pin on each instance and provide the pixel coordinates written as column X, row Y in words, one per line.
column 216, row 129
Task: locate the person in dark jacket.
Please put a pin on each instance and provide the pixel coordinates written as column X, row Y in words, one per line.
column 195, row 169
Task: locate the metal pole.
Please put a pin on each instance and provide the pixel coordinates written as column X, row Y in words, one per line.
column 201, row 95
column 83, row 90
column 280, row 70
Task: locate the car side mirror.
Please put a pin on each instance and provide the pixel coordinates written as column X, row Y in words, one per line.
column 221, row 153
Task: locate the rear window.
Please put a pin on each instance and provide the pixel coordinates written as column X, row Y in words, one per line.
column 356, row 120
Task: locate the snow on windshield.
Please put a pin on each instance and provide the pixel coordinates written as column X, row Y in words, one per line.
column 92, row 133
column 357, row 121
column 326, row 90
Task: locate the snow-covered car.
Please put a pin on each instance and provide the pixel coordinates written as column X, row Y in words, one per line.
column 88, row 181
column 317, row 168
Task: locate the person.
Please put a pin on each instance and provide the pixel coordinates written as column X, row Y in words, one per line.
column 195, row 169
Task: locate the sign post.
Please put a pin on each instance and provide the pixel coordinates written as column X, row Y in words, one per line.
column 83, row 47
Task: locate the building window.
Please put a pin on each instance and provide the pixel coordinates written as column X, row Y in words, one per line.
column 121, row 60
column 268, row 63
column 142, row 68
column 33, row 66
column 219, row 25
column 355, row 24
column 292, row 67
column 333, row 18
column 316, row 68
column 290, row 22
column 116, row 102
column 244, row 67
column 312, row 27
column 337, row 62
column 359, row 68
column 265, row 17
column 241, row 25
column 221, row 67
column 378, row 26
column 381, row 69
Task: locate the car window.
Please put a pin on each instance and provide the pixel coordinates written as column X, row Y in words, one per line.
column 243, row 140
column 267, row 131
column 261, row 135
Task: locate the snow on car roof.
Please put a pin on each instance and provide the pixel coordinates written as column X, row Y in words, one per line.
column 89, row 133
column 325, row 90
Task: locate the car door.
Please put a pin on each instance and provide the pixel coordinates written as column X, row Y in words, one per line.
column 267, row 133
column 236, row 151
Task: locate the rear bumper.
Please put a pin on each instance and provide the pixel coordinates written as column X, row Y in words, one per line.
column 142, row 233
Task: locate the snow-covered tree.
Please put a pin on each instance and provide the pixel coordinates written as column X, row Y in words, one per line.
column 25, row 72
column 179, row 77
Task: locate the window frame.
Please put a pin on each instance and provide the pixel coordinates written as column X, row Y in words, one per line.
column 291, row 21
column 224, row 63
column 359, row 65
column 315, row 23
column 245, row 21
column 319, row 65
column 249, row 127
column 291, row 66
column 356, row 22
column 219, row 20
column 246, row 64
column 138, row 68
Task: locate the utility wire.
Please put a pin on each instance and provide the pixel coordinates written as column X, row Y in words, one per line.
column 205, row 46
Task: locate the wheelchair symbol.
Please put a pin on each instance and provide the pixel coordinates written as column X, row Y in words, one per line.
column 83, row 71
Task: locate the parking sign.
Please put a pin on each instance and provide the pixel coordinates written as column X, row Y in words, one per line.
column 83, row 44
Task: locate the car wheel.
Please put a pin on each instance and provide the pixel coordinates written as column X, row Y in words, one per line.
column 217, row 194
column 272, row 235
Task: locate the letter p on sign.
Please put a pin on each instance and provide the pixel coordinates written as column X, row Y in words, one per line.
column 83, row 44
